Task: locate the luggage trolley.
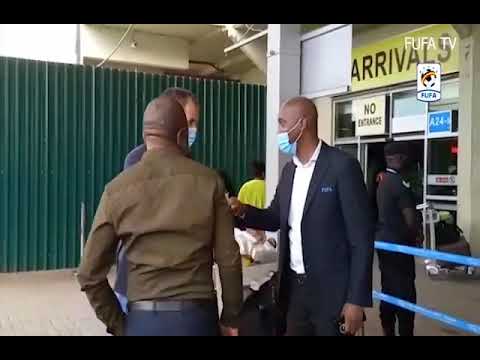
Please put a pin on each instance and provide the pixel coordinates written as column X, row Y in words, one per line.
column 433, row 224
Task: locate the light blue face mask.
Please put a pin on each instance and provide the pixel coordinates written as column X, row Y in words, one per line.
column 284, row 143
column 192, row 135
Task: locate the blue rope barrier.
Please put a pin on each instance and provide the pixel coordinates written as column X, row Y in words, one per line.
column 429, row 254
column 432, row 314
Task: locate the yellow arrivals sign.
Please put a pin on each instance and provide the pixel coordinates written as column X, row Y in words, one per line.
column 395, row 60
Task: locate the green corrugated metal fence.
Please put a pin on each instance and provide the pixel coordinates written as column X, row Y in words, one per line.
column 65, row 131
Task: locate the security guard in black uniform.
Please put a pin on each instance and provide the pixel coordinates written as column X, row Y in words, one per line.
column 397, row 223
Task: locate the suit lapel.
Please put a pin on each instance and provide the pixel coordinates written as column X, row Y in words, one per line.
column 286, row 198
column 321, row 167
column 289, row 175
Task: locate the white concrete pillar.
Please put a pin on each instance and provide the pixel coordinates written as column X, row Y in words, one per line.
column 283, row 82
column 469, row 139
column 325, row 116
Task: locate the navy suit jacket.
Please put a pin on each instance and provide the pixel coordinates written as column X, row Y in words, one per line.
column 337, row 233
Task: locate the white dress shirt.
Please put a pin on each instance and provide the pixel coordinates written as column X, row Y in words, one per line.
column 301, row 183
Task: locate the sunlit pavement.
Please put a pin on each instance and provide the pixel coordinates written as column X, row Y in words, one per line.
column 50, row 303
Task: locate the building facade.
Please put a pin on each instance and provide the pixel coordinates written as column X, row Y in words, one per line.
column 380, row 104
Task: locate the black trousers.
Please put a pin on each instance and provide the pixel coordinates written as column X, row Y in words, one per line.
column 304, row 318
column 398, row 280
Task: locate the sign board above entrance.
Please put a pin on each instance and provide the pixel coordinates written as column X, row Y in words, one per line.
column 369, row 116
column 395, row 60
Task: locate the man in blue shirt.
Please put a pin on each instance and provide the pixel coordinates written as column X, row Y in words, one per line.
column 191, row 107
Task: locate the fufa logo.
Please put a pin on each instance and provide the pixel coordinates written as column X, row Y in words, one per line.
column 428, row 82
column 428, row 78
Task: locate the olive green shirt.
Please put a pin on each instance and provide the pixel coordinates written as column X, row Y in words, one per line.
column 174, row 221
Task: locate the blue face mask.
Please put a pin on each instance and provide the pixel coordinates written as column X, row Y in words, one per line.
column 192, row 135
column 284, row 142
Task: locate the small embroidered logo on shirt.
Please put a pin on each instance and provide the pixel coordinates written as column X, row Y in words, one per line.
column 327, row 189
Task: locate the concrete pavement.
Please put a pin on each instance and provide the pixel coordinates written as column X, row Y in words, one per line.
column 50, row 303
column 45, row 303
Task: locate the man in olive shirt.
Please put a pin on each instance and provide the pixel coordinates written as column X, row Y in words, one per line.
column 173, row 218
column 191, row 108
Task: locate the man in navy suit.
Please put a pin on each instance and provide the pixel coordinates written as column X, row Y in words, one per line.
column 322, row 210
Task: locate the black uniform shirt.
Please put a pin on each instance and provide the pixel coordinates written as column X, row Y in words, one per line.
column 393, row 195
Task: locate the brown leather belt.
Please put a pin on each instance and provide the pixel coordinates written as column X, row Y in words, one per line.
column 166, row 305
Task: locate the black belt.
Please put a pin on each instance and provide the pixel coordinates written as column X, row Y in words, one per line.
column 173, row 305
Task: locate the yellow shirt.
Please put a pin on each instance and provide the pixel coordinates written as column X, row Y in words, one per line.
column 253, row 193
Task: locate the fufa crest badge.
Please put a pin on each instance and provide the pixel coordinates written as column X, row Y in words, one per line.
column 428, row 82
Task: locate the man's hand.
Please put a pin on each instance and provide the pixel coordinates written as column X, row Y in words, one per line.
column 236, row 207
column 228, row 331
column 353, row 315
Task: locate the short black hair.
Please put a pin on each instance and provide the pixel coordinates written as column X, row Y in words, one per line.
column 181, row 95
column 258, row 168
column 396, row 148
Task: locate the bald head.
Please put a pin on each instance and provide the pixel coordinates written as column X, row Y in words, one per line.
column 296, row 110
column 302, row 107
column 164, row 118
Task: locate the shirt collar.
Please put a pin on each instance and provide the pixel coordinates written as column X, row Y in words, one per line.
column 312, row 160
column 163, row 153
